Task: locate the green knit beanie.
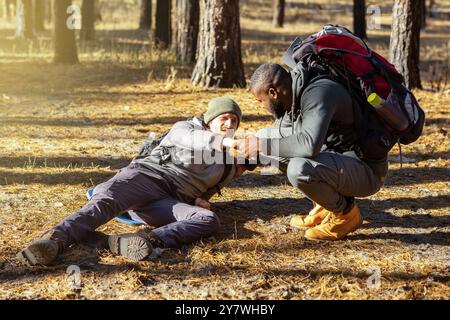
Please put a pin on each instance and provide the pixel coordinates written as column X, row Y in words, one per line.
column 221, row 105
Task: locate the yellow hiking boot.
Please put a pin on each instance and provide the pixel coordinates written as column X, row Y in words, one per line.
column 313, row 218
column 336, row 225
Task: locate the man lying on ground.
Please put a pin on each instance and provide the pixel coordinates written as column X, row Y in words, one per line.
column 169, row 189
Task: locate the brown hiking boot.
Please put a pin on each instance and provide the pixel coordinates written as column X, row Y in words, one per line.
column 134, row 246
column 44, row 250
column 336, row 225
column 313, row 218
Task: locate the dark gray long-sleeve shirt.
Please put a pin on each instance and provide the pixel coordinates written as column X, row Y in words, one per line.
column 326, row 111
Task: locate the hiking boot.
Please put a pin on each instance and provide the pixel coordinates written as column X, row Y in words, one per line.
column 336, row 225
column 134, row 246
column 313, row 218
column 44, row 250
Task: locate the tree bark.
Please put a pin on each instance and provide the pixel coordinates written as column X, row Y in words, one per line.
column 162, row 29
column 185, row 30
column 405, row 40
column 65, row 45
column 359, row 18
column 87, row 20
column 40, row 7
column 145, row 20
column 278, row 13
column 219, row 60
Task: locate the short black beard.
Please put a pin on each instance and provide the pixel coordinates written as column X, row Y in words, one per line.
column 276, row 108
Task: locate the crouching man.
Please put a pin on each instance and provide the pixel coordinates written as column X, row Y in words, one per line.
column 313, row 140
column 169, row 189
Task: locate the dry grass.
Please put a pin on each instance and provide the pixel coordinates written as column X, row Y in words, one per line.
column 67, row 128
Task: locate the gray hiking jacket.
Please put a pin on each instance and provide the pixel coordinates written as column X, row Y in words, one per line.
column 191, row 158
column 325, row 112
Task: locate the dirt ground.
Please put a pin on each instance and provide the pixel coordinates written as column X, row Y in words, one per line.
column 64, row 129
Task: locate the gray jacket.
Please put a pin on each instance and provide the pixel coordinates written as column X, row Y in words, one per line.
column 325, row 112
column 191, row 158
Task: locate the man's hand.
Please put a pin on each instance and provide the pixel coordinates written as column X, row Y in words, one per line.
column 248, row 147
column 199, row 202
column 229, row 143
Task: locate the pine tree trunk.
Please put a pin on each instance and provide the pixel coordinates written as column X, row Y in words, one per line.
column 24, row 19
column 431, row 8
column 4, row 14
column 186, row 30
column 49, row 11
column 145, row 20
column 65, row 45
column 162, row 28
column 405, row 40
column 359, row 18
column 8, row 7
column 40, row 7
column 174, row 25
column 87, row 20
column 278, row 13
column 423, row 14
column 219, row 60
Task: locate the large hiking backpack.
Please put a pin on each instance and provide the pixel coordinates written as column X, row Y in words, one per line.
column 351, row 62
column 149, row 144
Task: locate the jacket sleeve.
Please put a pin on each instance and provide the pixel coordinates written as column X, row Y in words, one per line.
column 188, row 136
column 318, row 105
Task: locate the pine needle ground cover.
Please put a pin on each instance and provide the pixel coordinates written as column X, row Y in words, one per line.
column 64, row 129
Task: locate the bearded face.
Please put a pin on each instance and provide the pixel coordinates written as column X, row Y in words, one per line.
column 276, row 108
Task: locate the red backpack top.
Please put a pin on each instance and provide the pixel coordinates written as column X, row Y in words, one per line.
column 365, row 71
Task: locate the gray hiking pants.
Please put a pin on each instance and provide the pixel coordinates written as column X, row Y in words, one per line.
column 147, row 197
column 328, row 178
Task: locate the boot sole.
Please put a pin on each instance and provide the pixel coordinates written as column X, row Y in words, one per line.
column 38, row 253
column 131, row 247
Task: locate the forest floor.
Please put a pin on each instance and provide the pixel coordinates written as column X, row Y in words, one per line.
column 64, row 129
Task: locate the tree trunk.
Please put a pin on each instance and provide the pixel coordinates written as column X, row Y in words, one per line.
column 145, row 20
column 431, row 7
column 65, row 45
column 162, row 29
column 186, row 30
column 40, row 7
column 278, row 13
column 405, row 40
column 4, row 14
column 359, row 18
column 219, row 60
column 87, row 20
column 24, row 19
column 423, row 14
column 9, row 10
column 49, row 10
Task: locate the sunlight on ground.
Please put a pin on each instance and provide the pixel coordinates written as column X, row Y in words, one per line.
column 64, row 129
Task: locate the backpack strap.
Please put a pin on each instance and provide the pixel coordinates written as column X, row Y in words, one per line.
column 304, row 73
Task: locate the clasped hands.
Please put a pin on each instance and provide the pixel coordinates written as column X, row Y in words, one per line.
column 247, row 147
